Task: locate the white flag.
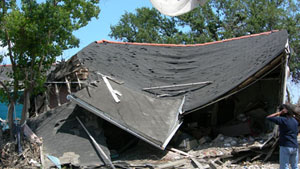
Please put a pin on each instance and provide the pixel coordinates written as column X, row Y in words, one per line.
column 176, row 7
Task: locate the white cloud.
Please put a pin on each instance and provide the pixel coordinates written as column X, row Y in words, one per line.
column 3, row 51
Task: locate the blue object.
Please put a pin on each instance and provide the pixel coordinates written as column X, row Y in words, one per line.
column 288, row 155
column 55, row 161
column 4, row 110
column 288, row 130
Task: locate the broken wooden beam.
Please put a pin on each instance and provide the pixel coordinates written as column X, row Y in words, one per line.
column 180, row 152
column 47, row 107
column 57, row 95
column 196, row 162
column 111, row 78
column 238, row 159
column 273, row 147
column 213, row 165
column 111, row 90
column 172, row 164
column 256, row 157
column 30, row 135
column 78, row 80
column 68, row 85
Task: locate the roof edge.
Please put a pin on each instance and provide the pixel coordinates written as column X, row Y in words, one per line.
column 188, row 45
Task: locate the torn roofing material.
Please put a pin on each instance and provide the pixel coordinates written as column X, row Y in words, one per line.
column 153, row 120
column 225, row 63
column 201, row 73
column 64, row 138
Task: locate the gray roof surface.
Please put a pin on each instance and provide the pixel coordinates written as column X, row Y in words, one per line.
column 226, row 63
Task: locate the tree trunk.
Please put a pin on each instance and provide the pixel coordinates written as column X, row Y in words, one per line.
column 26, row 103
column 10, row 115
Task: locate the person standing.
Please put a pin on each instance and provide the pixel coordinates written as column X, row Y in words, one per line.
column 288, row 131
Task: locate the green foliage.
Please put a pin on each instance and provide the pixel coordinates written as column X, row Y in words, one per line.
column 36, row 33
column 147, row 25
column 216, row 20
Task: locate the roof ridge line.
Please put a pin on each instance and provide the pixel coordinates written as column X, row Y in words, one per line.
column 188, row 45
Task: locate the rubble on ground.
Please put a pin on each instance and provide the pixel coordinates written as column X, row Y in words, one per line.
column 192, row 146
column 214, row 153
column 10, row 158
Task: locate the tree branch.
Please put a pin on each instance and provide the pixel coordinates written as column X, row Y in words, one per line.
column 6, row 90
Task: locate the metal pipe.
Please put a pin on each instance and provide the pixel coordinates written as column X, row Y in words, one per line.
column 99, row 149
column 177, row 85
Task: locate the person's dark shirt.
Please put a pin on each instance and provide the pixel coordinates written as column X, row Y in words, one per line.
column 288, row 128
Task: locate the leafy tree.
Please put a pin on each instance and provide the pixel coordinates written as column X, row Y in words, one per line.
column 255, row 16
column 216, row 20
column 147, row 25
column 36, row 33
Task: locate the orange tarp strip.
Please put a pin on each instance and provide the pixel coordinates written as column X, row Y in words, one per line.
column 188, row 45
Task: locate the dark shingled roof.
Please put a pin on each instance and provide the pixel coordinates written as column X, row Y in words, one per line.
column 226, row 63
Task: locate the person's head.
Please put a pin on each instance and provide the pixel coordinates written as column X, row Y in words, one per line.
column 286, row 110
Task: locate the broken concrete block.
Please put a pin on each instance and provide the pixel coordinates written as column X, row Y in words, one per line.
column 227, row 144
column 186, row 142
column 219, row 138
column 228, row 140
column 204, row 139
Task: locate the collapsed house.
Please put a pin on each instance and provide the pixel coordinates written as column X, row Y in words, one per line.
column 152, row 90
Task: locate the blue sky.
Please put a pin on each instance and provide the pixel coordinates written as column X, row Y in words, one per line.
column 98, row 29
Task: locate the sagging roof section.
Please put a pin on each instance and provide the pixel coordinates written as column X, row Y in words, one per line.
column 201, row 73
column 153, row 120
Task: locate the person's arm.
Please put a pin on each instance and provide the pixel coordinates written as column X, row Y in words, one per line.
column 274, row 114
column 275, row 117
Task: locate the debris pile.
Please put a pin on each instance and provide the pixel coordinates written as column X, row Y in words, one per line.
column 204, row 156
column 219, row 152
column 29, row 158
